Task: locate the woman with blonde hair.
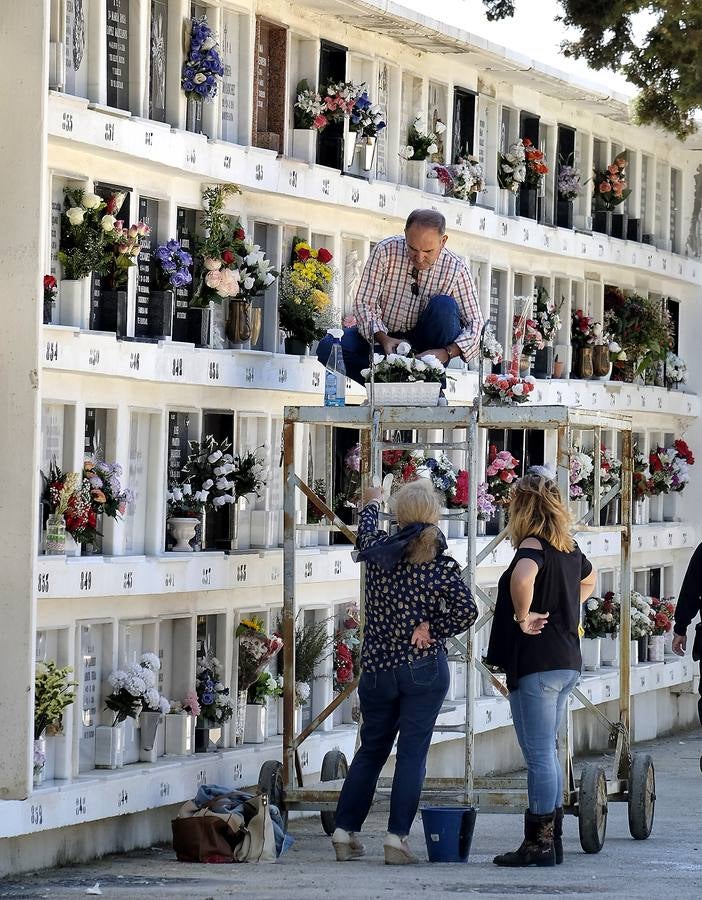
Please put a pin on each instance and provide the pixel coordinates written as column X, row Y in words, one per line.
column 535, row 641
column 414, row 599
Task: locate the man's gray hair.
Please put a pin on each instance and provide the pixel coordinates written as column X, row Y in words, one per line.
column 426, row 218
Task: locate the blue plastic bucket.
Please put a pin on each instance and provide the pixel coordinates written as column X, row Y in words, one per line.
column 448, row 831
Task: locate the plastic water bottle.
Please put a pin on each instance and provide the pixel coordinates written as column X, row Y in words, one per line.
column 335, row 375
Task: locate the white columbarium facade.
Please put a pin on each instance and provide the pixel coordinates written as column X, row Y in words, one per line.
column 99, row 106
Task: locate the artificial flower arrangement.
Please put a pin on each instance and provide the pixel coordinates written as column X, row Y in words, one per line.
column 536, row 168
column 547, row 318
column 256, row 650
column 507, row 388
column 421, row 143
column 202, row 69
column 53, row 693
column 135, row 689
column 642, row 327
column 491, row 347
column 305, row 307
column 215, row 703
column 610, row 186
column 641, row 624
column 642, row 486
column 582, row 329
column 366, row 118
column 662, row 615
column 316, row 109
column 669, row 468
column 266, row 686
column 463, row 180
column 85, row 221
column 350, row 489
column 675, row 369
column 347, row 646
column 402, row 368
column 581, row 474
column 216, row 476
column 601, row 616
column 233, row 267
column 458, row 497
column 410, row 465
column 511, row 167
column 309, row 111
column 188, row 706
column 569, row 185
column 487, row 504
column 185, row 503
column 526, row 332
column 501, row 472
column 50, row 290
column 123, row 248
column 173, row 265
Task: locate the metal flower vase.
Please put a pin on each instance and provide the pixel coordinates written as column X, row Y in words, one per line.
column 238, row 325
column 149, row 721
column 369, row 144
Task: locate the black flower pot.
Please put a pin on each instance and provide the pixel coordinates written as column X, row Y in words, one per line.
column 619, row 225
column 633, row 230
column 199, row 326
column 528, row 202
column 602, row 221
column 295, row 347
column 109, row 312
column 160, row 317
column 564, row 213
column 206, row 736
column 48, row 310
column 543, row 363
column 643, row 648
column 495, row 525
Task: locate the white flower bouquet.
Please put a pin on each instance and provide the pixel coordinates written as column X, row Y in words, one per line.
column 511, row 167
column 675, row 369
column 395, row 368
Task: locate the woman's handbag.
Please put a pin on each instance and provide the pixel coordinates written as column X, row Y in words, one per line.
column 201, row 834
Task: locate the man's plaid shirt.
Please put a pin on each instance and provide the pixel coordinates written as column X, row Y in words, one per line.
column 385, row 302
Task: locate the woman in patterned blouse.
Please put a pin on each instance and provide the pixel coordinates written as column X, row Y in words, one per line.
column 415, row 599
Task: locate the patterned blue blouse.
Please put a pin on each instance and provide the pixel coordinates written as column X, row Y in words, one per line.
column 397, row 601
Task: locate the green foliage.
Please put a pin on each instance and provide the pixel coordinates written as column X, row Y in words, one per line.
column 312, row 643
column 664, row 66
column 82, row 246
column 52, row 694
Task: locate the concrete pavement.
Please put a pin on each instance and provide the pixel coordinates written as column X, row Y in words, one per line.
column 669, row 863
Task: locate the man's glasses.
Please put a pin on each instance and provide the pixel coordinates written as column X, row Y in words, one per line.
column 414, row 286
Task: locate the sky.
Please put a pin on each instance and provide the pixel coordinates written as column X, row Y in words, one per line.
column 531, row 33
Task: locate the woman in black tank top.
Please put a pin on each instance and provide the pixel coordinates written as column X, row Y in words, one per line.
column 534, row 640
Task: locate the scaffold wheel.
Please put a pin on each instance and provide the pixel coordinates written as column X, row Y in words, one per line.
column 592, row 808
column 642, row 796
column 270, row 780
column 334, row 767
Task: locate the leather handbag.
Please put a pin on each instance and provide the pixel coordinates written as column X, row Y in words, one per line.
column 201, row 834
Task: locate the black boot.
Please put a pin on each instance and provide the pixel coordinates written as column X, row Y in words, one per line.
column 536, row 848
column 558, row 835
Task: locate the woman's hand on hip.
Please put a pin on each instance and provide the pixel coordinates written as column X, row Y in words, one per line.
column 534, row 623
column 421, row 638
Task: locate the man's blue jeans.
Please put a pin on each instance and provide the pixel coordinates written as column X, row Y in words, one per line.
column 438, row 325
column 405, row 700
column 538, row 705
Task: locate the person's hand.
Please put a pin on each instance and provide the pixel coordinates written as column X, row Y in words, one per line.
column 372, row 493
column 534, row 623
column 389, row 344
column 421, row 639
column 679, row 644
column 441, row 354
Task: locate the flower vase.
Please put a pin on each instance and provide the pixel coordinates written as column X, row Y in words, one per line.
column 182, row 529
column 507, row 203
column 74, row 303
column 564, row 213
column 417, row 173
column 584, row 370
column 48, row 311
column 543, row 362
column 590, row 651
column 497, row 523
column 350, row 709
column 255, row 723
column 639, row 516
column 207, row 735
column 71, row 546
column 524, row 365
column 238, row 325
column 39, row 766
column 528, row 202
column 109, row 312
column 668, row 643
column 180, row 733
column 369, row 143
column 295, row 347
column 643, row 648
column 350, row 145
column 193, row 116
column 304, row 144
column 240, row 716
column 55, row 535
column 160, row 315
column 109, row 746
column 600, row 360
column 656, row 648
column 619, row 226
column 634, row 653
column 602, row 221
column 609, row 650
column 149, row 721
column 480, row 527
column 297, row 717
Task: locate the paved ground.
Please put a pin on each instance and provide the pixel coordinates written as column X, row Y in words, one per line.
column 669, row 864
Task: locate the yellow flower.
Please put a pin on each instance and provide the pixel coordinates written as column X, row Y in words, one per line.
column 303, row 245
column 254, row 623
column 581, row 631
column 320, row 299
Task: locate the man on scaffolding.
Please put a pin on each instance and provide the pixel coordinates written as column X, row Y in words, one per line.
column 412, row 289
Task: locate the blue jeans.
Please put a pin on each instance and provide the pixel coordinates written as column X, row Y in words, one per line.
column 405, row 700
column 538, row 705
column 438, row 325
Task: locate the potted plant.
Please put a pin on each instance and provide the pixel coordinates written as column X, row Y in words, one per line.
column 312, row 646
column 154, row 708
column 209, row 470
column 50, row 292
column 640, row 627
column 256, row 650
column 53, row 693
column 642, row 327
column 180, row 725
column 609, row 191
column 422, row 145
column 548, row 321
column 202, row 69
column 610, row 612
column 59, row 489
column 675, row 370
column 582, row 339
column 216, row 706
column 661, row 616
column 102, row 485
column 536, row 169
column 468, row 179
column 305, row 308
column 400, row 380
column 487, row 507
column 309, row 118
column 185, row 511
column 500, row 473
column 123, row 245
column 507, row 389
column 528, row 338
column 172, row 265
column 366, row 120
column 593, row 632
column 511, row 175
column 569, row 187
column 265, row 688
column 81, row 252
column 128, row 697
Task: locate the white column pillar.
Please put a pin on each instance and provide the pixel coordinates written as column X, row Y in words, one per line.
column 176, row 103
column 23, row 222
column 97, row 57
